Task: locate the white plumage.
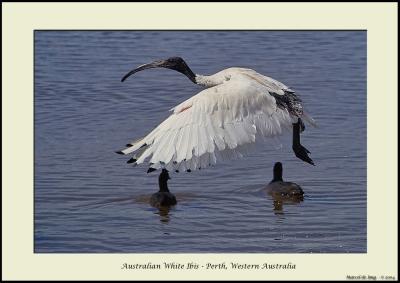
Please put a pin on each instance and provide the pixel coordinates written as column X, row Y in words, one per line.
column 237, row 108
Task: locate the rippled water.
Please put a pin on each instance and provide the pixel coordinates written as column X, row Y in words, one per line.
column 87, row 199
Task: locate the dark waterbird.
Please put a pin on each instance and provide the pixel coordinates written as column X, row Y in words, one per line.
column 283, row 192
column 163, row 197
column 282, row 188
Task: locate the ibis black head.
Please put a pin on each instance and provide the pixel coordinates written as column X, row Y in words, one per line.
column 173, row 63
column 277, row 172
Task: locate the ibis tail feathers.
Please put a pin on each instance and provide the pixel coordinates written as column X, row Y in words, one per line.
column 306, row 117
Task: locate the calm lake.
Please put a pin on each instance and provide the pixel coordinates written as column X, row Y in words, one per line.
column 89, row 200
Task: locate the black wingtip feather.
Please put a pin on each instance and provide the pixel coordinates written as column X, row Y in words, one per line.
column 132, row 160
column 151, row 170
column 119, row 152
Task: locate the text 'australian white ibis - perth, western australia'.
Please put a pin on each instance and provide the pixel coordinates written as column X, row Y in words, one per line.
column 237, row 108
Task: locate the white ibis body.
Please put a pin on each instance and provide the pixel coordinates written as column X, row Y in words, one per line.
column 237, row 107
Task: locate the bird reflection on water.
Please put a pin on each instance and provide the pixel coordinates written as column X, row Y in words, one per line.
column 163, row 211
column 279, row 201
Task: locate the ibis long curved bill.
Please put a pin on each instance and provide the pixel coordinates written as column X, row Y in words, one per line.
column 171, row 63
column 237, row 108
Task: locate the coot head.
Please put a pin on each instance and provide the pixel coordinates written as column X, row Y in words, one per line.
column 277, row 172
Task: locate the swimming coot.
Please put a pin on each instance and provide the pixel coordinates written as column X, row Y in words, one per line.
column 278, row 187
column 163, row 197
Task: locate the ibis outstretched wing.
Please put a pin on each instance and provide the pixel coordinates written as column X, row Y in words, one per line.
column 218, row 123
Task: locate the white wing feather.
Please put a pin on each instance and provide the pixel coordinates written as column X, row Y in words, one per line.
column 216, row 124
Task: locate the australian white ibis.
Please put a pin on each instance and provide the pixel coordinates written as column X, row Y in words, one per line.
column 237, row 107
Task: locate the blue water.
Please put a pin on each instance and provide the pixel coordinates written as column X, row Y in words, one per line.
column 87, row 199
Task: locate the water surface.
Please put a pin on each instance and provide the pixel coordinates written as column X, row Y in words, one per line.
column 87, row 199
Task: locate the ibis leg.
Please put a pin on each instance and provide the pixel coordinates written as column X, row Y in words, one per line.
column 300, row 151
